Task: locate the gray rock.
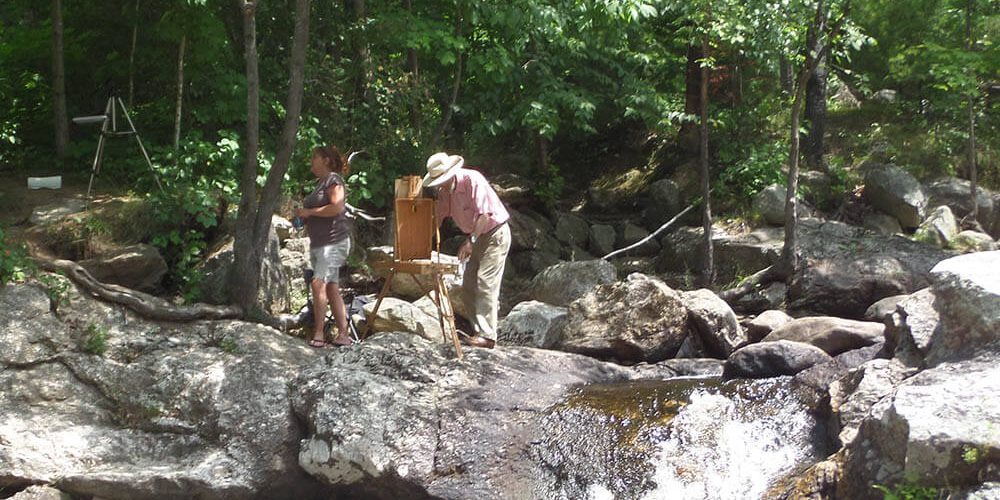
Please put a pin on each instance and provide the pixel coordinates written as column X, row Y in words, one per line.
column 885, row 96
column 994, row 227
column 765, row 323
column 214, row 270
column 986, row 491
column 973, row 241
column 532, row 262
column 897, row 193
column 933, row 430
column 852, row 397
column 769, row 203
column 40, row 493
column 773, row 359
column 939, row 228
column 532, row 231
column 454, row 286
column 139, row 267
column 967, row 291
column 821, row 376
column 758, row 301
column 816, row 188
column 565, row 282
column 395, row 315
column 574, row 253
column 56, row 211
column 911, row 328
column 514, row 190
column 630, row 234
column 883, row 308
column 532, row 324
column 413, row 286
column 695, row 367
column 714, row 321
column 847, row 269
column 29, row 332
column 661, row 202
column 283, row 228
column 882, row 223
column 638, row 319
column 572, row 229
column 160, row 411
column 602, row 239
column 956, row 194
column 682, row 251
column 446, row 418
column 832, row 335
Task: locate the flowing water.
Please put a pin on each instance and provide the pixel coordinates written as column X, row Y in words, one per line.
column 679, row 439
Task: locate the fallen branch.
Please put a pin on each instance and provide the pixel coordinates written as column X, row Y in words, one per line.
column 147, row 306
column 654, row 233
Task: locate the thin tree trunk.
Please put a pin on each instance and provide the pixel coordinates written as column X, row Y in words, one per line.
column 245, row 275
column 708, row 272
column 688, row 134
column 364, row 59
column 973, row 168
column 413, row 67
column 456, row 86
column 253, row 222
column 816, row 89
column 131, row 57
column 180, row 93
column 59, row 83
column 785, row 74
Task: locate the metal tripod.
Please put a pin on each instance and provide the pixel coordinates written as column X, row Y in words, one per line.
column 109, row 128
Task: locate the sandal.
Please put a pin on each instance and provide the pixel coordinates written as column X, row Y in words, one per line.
column 317, row 343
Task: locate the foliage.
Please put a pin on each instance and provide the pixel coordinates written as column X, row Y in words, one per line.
column 749, row 169
column 96, row 339
column 909, row 491
column 15, row 266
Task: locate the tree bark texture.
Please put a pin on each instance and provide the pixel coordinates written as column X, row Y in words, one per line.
column 253, row 223
column 688, row 134
column 973, row 168
column 131, row 57
column 59, row 83
column 708, row 271
column 180, row 93
column 812, row 142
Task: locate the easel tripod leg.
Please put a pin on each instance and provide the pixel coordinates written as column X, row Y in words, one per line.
column 446, row 302
column 370, row 322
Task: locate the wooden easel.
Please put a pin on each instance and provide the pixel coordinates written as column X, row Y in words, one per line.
column 415, row 229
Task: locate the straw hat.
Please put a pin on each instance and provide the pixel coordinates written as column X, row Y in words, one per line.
column 441, row 167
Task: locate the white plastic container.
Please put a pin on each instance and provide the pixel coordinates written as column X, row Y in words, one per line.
column 53, row 182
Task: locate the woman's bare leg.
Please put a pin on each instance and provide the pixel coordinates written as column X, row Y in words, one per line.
column 339, row 313
column 319, row 308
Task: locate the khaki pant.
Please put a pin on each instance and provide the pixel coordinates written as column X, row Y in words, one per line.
column 481, row 280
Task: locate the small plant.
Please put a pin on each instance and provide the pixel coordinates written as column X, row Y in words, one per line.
column 228, row 345
column 56, row 287
column 96, row 341
column 910, row 491
column 971, row 454
column 15, row 265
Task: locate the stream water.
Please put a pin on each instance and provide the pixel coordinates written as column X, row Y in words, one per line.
column 679, row 439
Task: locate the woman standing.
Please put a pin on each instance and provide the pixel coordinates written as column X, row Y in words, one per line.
column 325, row 215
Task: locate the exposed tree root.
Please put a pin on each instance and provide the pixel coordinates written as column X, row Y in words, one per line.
column 760, row 279
column 147, row 306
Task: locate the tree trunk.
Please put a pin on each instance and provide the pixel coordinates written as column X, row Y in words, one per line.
column 180, row 93
column 59, row 83
column 973, row 168
column 813, row 144
column 785, row 74
column 253, row 221
column 708, row 272
column 413, row 68
column 688, row 134
column 131, row 57
column 364, row 59
column 455, row 87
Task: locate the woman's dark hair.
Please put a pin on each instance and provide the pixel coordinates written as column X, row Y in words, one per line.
column 338, row 164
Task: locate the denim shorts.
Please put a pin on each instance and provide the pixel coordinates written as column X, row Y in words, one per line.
column 327, row 261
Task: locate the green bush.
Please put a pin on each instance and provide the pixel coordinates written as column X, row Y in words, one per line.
column 96, row 341
column 750, row 169
column 15, row 266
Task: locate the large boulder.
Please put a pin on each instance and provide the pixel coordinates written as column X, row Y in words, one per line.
column 638, row 319
column 765, row 323
column 911, row 327
column 395, row 315
column 532, row 231
column 714, row 322
column 967, row 291
column 109, row 405
column 956, row 194
column 273, row 292
column 532, row 324
column 456, row 429
column 602, row 239
column 973, row 241
column 633, row 233
column 56, row 211
column 832, row 335
column 662, row 201
column 773, row 359
column 565, row 282
column 897, row 193
column 735, row 255
column 852, row 397
column 993, row 228
column 845, row 269
column 412, row 286
column 933, row 430
column 140, row 267
column 883, row 308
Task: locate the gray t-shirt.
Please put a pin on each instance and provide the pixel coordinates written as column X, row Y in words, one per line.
column 324, row 231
